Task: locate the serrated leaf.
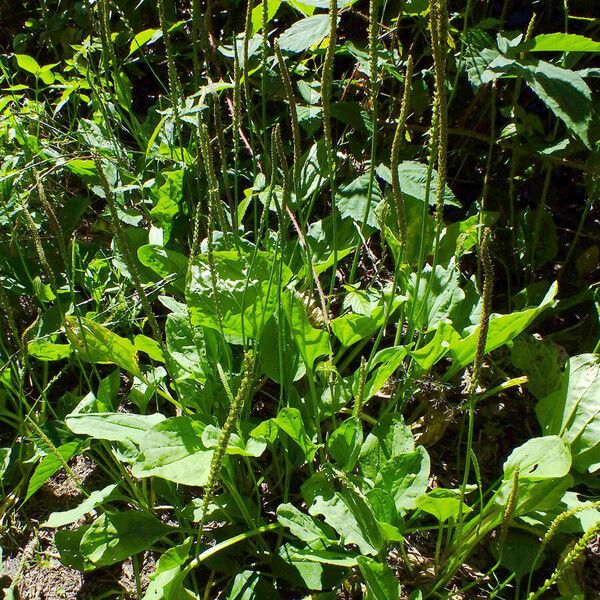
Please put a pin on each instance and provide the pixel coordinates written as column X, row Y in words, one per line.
column 413, row 182
column 305, row 34
column 561, row 42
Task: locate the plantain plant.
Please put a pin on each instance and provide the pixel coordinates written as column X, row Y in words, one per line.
column 312, row 289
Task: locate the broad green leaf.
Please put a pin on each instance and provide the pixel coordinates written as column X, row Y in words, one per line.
column 84, row 167
column 142, row 392
column 437, row 294
column 369, row 310
column 289, row 420
column 305, row 34
column 565, row 93
column 151, row 347
column 67, row 517
column 312, row 569
column 544, row 465
column 113, row 537
column 502, row 329
column 28, row 63
column 408, row 253
column 380, row 580
column 168, row 197
column 246, row 292
column 46, row 350
column 236, row 445
column 326, row 557
column 311, row 342
column 249, row 585
column 173, row 450
column 383, row 366
column 4, row 460
column 405, row 478
column 480, row 52
column 351, row 200
column 561, row 42
column 325, row 3
column 309, row 92
column 539, row 458
column 519, row 553
column 313, row 171
column 306, row 528
column 388, row 439
column 68, row 543
column 169, row 264
column 320, row 239
column 443, row 504
column 384, row 508
column 96, row 343
column 345, row 443
column 573, row 411
column 579, row 522
column 352, row 328
column 536, row 250
column 413, row 182
column 166, row 581
column 106, row 397
column 144, row 38
column 274, row 334
column 122, row 87
column 444, row 338
column 346, row 510
column 49, row 465
column 415, row 7
column 257, row 14
column 115, row 427
column 310, row 118
column 46, row 74
column 540, row 361
column 187, row 348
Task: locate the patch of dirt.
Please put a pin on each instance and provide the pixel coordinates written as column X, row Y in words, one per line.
column 45, row 581
column 31, row 560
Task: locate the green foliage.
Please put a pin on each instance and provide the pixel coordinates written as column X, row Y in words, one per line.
column 572, row 411
column 245, row 275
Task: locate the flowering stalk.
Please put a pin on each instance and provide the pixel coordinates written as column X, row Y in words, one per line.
column 219, row 454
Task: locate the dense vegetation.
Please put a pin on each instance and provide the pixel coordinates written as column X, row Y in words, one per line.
column 299, row 299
